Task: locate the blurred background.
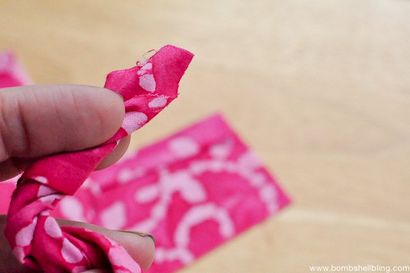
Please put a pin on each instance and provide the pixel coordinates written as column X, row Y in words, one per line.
column 320, row 89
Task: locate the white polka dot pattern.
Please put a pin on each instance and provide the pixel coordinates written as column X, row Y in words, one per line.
column 158, row 102
column 146, row 89
column 133, row 121
column 41, row 179
column 25, row 235
column 114, row 217
column 147, row 82
column 72, row 208
column 52, row 229
column 183, row 147
column 202, row 180
column 70, row 253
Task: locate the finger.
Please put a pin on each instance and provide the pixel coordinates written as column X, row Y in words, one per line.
column 8, row 169
column 40, row 120
column 14, row 166
column 139, row 245
column 118, row 152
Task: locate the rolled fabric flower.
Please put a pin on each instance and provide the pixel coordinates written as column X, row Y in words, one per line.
column 35, row 237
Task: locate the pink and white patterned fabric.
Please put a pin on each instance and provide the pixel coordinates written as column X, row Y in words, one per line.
column 33, row 234
column 193, row 191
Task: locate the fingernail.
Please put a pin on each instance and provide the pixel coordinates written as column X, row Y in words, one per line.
column 141, row 234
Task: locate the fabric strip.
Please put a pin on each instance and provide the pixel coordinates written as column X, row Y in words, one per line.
column 33, row 234
column 193, row 191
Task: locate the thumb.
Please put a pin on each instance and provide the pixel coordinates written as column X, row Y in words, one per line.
column 40, row 120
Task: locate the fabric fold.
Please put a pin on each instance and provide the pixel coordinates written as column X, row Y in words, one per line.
column 33, row 234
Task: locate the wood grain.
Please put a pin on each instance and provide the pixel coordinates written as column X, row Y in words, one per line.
column 320, row 89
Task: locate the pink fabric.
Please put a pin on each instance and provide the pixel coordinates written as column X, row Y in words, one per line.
column 11, row 72
column 193, row 191
column 33, row 234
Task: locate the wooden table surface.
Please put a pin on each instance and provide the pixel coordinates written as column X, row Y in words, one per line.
column 320, row 89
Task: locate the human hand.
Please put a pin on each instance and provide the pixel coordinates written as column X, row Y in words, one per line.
column 36, row 121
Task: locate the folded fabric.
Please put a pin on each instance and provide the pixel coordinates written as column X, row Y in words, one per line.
column 33, row 234
column 193, row 191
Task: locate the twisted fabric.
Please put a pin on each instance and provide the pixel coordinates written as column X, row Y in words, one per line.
column 35, row 237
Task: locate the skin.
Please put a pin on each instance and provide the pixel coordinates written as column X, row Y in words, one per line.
column 40, row 120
